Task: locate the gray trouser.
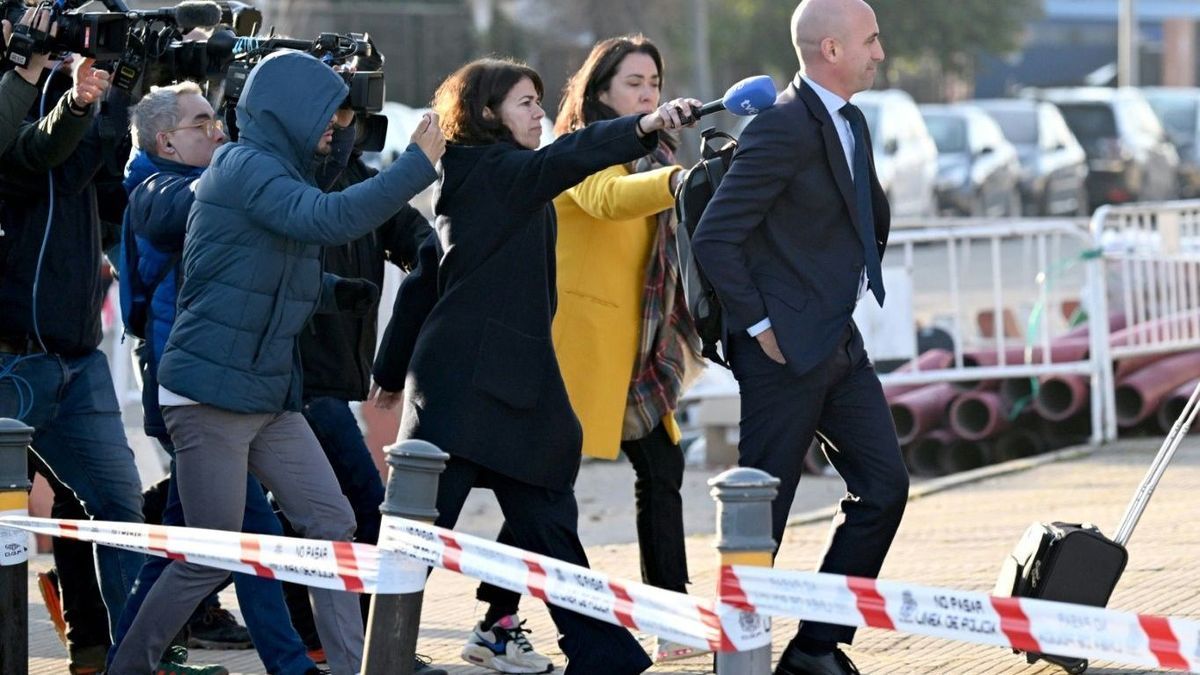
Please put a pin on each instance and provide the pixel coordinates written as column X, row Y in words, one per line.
column 212, row 446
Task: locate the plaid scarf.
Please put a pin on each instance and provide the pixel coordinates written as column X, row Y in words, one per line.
column 668, row 359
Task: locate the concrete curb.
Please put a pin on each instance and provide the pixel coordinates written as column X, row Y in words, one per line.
column 944, row 483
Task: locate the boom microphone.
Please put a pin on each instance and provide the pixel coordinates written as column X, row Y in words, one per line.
column 197, row 14
column 188, row 14
column 747, row 97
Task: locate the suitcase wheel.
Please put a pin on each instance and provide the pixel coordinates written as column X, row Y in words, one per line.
column 1072, row 666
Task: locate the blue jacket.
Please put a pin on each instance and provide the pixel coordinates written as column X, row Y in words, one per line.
column 160, row 196
column 252, row 259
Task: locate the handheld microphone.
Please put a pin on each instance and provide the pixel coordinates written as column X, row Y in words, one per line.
column 747, row 97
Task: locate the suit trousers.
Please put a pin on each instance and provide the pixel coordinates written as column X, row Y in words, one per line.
column 841, row 400
column 545, row 521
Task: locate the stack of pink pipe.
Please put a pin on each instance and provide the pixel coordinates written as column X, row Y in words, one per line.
column 956, row 426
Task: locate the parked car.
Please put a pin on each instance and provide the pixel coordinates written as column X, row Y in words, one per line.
column 1053, row 180
column 905, row 155
column 1178, row 108
column 978, row 169
column 1129, row 156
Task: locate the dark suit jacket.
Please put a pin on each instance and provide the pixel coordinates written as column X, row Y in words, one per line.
column 469, row 341
column 780, row 237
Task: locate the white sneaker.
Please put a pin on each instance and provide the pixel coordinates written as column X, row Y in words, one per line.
column 504, row 648
column 666, row 650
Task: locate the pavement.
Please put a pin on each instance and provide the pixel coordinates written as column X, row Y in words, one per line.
column 955, row 533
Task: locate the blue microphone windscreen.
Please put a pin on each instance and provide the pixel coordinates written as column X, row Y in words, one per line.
column 750, row 96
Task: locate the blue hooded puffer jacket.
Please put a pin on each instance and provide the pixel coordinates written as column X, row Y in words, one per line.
column 252, row 260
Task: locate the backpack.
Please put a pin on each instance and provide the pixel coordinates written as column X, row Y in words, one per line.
column 135, row 294
column 695, row 190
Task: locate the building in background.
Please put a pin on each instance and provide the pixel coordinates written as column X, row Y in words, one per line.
column 1075, row 43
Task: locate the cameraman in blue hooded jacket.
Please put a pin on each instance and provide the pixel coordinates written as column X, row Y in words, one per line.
column 230, row 377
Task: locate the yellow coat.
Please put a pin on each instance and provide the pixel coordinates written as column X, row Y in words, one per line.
column 606, row 227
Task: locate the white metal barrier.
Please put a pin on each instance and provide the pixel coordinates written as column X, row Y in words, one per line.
column 1152, row 277
column 1028, row 267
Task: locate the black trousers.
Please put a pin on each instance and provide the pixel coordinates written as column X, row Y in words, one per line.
column 545, row 521
column 841, row 400
column 83, row 608
column 658, row 468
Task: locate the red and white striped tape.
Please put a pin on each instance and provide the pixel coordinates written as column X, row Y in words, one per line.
column 696, row 622
column 737, row 622
column 400, row 563
column 14, row 544
column 339, row 565
column 1029, row 625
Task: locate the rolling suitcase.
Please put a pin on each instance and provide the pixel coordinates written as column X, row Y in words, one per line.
column 1075, row 562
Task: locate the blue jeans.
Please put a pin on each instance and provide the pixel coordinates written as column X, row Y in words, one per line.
column 342, row 441
column 71, row 404
column 260, row 599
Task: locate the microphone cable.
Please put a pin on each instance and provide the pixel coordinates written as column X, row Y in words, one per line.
column 25, row 394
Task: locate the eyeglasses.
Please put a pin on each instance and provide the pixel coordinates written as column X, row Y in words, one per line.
column 211, row 127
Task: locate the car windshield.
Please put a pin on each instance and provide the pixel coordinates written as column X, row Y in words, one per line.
column 1178, row 114
column 871, row 112
column 949, row 132
column 1090, row 121
column 1019, row 126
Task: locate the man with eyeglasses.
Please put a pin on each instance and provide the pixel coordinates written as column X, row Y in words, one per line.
column 176, row 132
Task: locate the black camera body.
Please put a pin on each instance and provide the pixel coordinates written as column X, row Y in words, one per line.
column 367, row 91
column 99, row 35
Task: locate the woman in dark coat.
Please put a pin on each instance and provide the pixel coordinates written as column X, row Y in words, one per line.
column 469, row 349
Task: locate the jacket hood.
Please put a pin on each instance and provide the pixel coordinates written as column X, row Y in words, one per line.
column 142, row 165
column 286, row 106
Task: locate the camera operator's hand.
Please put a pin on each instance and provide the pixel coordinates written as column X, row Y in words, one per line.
column 39, row 20
column 429, row 137
column 670, row 116
column 90, row 83
column 355, row 296
column 383, row 399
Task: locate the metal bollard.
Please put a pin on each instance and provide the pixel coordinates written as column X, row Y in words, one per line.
column 744, row 499
column 395, row 619
column 14, row 570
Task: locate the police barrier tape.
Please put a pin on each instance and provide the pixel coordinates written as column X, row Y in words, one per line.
column 399, row 565
column 1037, row 626
column 679, row 617
column 14, row 544
column 748, row 595
column 338, row 565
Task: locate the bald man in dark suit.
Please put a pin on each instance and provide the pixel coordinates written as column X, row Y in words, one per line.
column 792, row 241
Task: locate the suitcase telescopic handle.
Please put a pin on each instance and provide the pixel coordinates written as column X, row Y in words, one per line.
column 1141, row 498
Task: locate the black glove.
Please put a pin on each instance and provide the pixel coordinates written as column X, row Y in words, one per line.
column 355, row 296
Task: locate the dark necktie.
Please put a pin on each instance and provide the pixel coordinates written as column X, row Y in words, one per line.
column 862, row 198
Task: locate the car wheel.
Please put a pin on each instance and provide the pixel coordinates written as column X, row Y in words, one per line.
column 1013, row 208
column 978, row 206
column 1082, row 207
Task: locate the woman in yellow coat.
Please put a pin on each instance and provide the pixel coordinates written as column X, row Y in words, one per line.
column 624, row 340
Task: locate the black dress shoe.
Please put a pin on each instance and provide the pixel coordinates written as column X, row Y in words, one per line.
column 796, row 662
